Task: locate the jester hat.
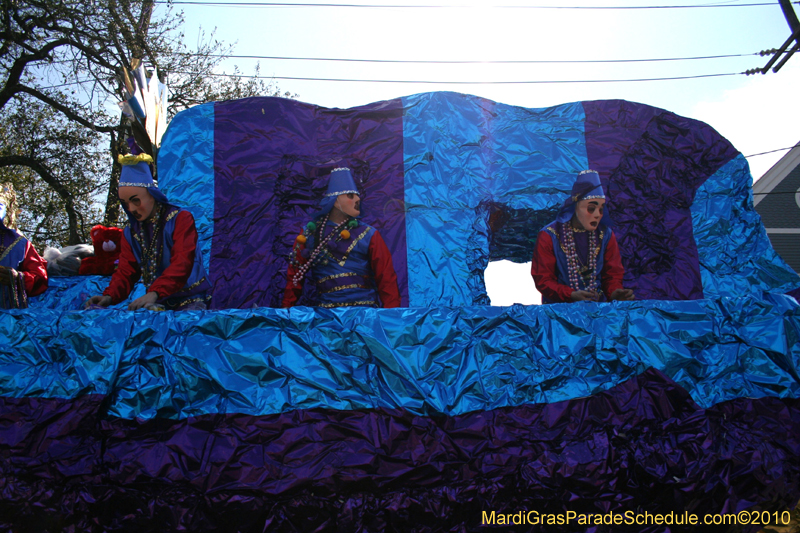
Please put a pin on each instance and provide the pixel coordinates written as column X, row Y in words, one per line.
column 340, row 182
column 136, row 173
column 586, row 187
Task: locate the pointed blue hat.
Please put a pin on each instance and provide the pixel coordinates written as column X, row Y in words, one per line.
column 586, row 187
column 136, row 173
column 340, row 182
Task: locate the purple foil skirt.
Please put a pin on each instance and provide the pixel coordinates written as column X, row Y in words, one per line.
column 643, row 445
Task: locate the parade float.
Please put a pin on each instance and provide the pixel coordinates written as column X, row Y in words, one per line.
column 446, row 412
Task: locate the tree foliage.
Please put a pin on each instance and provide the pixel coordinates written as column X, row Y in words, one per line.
column 60, row 66
column 57, row 169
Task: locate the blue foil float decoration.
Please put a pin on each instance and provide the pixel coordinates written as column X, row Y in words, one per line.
column 423, row 418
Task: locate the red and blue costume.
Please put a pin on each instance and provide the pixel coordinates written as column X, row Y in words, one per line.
column 29, row 270
column 162, row 251
column 549, row 263
column 598, row 268
column 349, row 264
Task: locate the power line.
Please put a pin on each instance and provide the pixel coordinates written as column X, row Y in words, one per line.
column 427, row 82
column 405, row 6
column 773, row 151
column 439, row 82
column 473, row 62
column 466, row 62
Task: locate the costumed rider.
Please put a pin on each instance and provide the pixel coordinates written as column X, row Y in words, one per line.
column 160, row 246
column 23, row 272
column 347, row 260
column 577, row 256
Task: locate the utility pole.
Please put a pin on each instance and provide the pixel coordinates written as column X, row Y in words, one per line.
column 793, row 41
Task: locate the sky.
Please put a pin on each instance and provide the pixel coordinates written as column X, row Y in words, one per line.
column 757, row 113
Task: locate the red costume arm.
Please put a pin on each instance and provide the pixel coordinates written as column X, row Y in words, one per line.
column 292, row 292
column 543, row 270
column 34, row 269
column 184, row 243
column 380, row 260
column 125, row 276
column 613, row 271
column 184, row 246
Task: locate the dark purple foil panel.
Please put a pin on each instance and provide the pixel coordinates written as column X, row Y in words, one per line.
column 611, row 128
column 651, row 163
column 643, row 445
column 271, row 159
column 50, row 459
column 795, row 294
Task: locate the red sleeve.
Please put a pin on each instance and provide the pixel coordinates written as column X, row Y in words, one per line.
column 543, row 270
column 380, row 259
column 125, row 276
column 184, row 245
column 613, row 271
column 292, row 292
column 34, row 270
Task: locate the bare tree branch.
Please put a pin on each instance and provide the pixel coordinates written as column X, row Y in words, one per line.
column 68, row 112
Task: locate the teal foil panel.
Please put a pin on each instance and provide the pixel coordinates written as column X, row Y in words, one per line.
column 441, row 360
column 734, row 251
column 463, row 153
column 186, row 169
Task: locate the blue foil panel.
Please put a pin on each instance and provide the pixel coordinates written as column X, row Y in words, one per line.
column 736, row 256
column 71, row 293
column 462, row 152
column 186, row 170
column 46, row 353
column 427, row 361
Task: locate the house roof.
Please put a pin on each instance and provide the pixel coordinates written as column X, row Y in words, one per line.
column 776, row 174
